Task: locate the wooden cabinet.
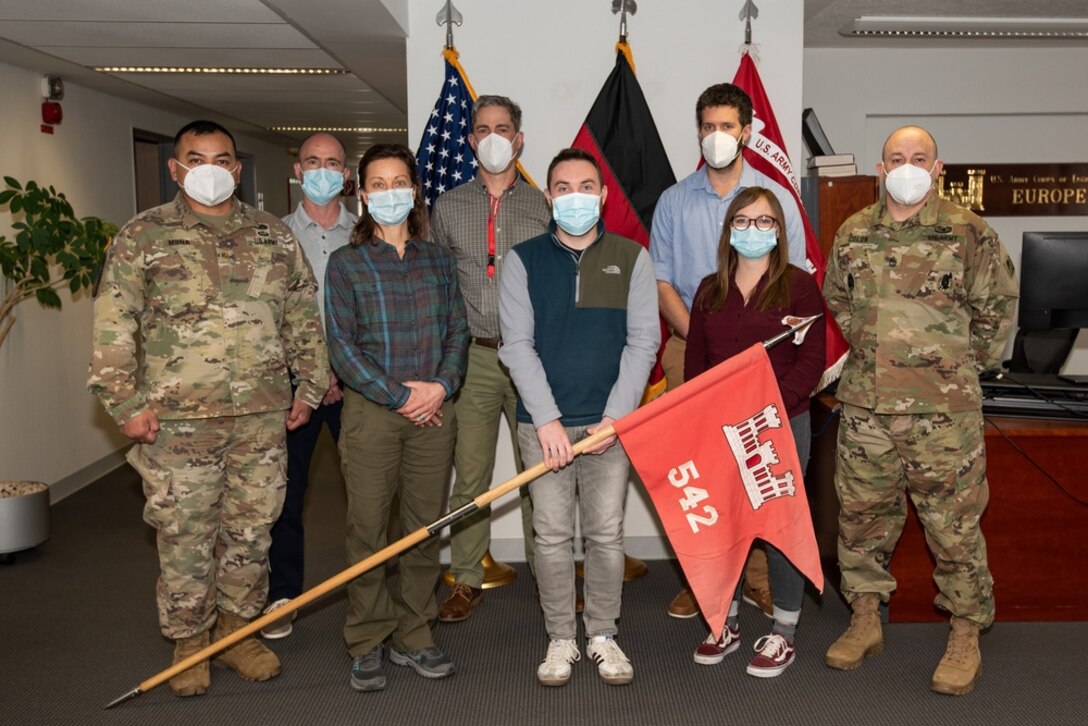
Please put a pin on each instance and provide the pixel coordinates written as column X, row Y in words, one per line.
column 830, row 200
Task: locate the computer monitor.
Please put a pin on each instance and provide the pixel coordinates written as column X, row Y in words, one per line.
column 1054, row 281
column 813, row 134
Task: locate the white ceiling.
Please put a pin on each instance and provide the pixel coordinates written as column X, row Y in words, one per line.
column 365, row 37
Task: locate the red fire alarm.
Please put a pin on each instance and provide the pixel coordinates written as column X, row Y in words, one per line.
column 52, row 113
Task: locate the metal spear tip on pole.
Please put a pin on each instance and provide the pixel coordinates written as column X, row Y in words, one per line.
column 747, row 12
column 622, row 8
column 772, row 342
column 125, row 697
column 449, row 16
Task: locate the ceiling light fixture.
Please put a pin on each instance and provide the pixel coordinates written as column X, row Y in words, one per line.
column 978, row 28
column 225, row 71
column 339, row 129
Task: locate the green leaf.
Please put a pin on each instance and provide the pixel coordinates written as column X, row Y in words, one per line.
column 6, row 195
column 48, row 297
column 16, row 204
column 11, row 182
column 39, row 269
column 74, row 284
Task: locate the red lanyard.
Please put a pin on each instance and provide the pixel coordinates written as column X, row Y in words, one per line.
column 495, row 203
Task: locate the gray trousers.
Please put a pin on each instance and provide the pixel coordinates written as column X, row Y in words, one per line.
column 597, row 485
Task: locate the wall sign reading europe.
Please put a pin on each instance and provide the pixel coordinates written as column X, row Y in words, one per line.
column 1017, row 190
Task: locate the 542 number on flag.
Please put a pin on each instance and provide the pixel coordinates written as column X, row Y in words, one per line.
column 680, row 477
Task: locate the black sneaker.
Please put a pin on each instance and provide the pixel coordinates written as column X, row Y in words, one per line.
column 427, row 662
column 367, row 673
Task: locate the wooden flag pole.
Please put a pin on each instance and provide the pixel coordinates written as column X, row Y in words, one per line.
column 405, row 543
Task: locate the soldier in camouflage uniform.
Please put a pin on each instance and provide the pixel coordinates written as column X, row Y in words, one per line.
column 205, row 303
column 923, row 290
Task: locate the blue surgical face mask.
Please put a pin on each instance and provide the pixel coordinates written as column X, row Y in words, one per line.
column 753, row 243
column 390, row 207
column 321, row 186
column 576, row 213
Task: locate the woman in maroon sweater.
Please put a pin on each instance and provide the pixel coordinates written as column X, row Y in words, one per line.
column 749, row 299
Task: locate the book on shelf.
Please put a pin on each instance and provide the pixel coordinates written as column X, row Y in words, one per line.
column 830, row 160
column 837, row 170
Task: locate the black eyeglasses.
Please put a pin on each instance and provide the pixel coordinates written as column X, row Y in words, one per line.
column 764, row 223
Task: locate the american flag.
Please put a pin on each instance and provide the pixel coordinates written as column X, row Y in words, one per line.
column 445, row 158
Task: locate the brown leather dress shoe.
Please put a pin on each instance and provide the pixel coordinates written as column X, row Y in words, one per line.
column 683, row 605
column 459, row 603
column 760, row 597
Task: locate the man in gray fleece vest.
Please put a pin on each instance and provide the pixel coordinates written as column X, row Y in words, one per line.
column 578, row 312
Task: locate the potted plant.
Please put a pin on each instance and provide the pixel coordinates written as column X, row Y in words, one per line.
column 49, row 240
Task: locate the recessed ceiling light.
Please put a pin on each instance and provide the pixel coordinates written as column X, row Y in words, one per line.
column 979, row 28
column 222, row 70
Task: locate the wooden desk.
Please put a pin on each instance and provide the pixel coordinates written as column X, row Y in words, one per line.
column 1036, row 536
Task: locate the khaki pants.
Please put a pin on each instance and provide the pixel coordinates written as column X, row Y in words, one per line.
column 487, row 396
column 385, row 457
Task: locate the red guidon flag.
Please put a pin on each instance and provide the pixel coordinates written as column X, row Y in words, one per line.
column 621, row 135
column 766, row 152
column 718, row 459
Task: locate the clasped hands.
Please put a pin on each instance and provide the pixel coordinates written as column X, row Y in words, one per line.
column 424, row 405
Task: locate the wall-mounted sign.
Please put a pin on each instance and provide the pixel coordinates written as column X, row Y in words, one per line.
column 1017, row 190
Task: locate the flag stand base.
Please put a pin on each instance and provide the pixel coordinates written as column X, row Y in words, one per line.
column 496, row 574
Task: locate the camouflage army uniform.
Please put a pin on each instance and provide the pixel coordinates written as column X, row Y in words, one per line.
column 925, row 305
column 220, row 309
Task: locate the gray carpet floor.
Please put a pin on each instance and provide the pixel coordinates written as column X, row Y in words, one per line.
column 78, row 628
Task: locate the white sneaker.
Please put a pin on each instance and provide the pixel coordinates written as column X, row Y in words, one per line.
column 555, row 670
column 278, row 628
column 613, row 666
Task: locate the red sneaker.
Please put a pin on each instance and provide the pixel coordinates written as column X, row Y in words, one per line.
column 712, row 650
column 774, row 654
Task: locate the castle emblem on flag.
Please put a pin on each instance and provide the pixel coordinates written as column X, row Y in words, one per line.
column 755, row 457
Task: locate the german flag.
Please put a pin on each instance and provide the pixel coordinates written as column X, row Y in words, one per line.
column 620, row 133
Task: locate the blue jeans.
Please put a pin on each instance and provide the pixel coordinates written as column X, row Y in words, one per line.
column 286, row 558
column 787, row 584
column 600, row 483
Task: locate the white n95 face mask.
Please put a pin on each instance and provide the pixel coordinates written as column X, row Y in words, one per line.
column 719, row 149
column 208, row 184
column 495, row 153
column 908, row 184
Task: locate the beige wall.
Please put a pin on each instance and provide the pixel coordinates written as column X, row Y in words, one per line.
column 51, row 429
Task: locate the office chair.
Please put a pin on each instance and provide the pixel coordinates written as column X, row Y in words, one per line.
column 1041, row 351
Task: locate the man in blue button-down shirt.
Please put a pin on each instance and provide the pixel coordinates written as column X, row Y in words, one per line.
column 684, row 240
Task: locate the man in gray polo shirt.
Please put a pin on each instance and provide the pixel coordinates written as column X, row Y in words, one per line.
column 321, row 224
column 480, row 221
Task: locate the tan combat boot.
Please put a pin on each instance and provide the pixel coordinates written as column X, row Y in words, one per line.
column 196, row 680
column 962, row 662
column 863, row 638
column 248, row 658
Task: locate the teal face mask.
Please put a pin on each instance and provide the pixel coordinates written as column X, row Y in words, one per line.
column 576, row 213
column 391, row 206
column 321, row 186
column 753, row 243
